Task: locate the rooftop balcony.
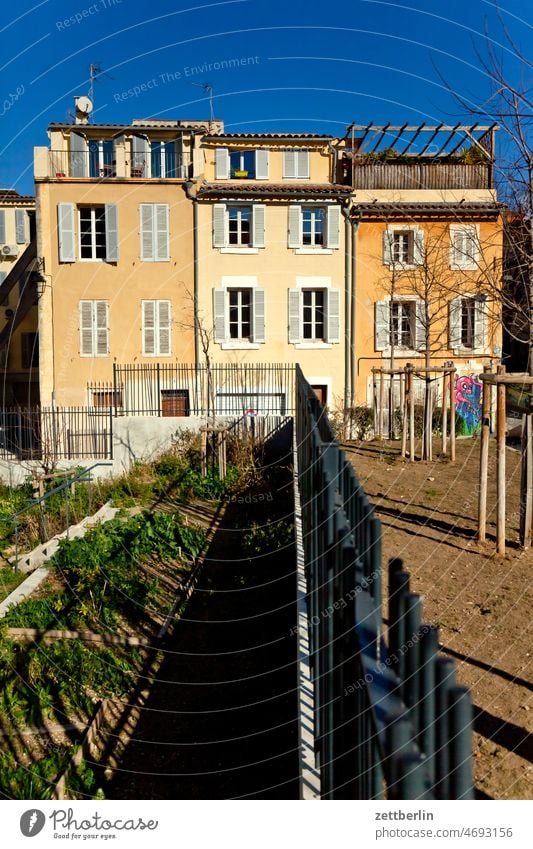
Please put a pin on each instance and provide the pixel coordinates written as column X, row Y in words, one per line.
column 105, row 165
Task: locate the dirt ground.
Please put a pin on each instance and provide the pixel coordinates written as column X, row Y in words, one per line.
column 481, row 602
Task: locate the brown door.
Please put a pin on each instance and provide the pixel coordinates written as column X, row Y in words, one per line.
column 175, row 402
column 321, row 393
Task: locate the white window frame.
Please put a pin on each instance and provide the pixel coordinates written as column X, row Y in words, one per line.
column 297, row 163
column 314, row 284
column 314, row 245
column 466, row 263
column 157, row 327
column 94, row 328
column 93, row 209
column 239, row 207
column 232, row 283
column 417, row 306
column 480, row 306
column 417, row 232
column 407, row 307
column 254, row 246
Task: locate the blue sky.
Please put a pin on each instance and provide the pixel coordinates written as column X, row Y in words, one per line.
column 308, row 65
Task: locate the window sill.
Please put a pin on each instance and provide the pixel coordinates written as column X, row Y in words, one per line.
column 240, row 346
column 400, row 266
column 455, row 266
column 472, row 352
column 313, row 251
column 237, row 250
column 313, row 346
column 402, row 353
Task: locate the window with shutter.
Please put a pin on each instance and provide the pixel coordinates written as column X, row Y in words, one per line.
column 222, row 164
column 148, row 328
column 156, row 328
column 403, row 246
column 111, row 232
column 296, row 164
column 382, row 325
column 93, row 233
column 219, row 315
column 468, row 323
column 65, row 221
column 2, row 227
column 20, row 226
column 94, row 328
column 259, row 315
column 79, row 155
column 295, row 226
column 294, row 315
column 155, row 237
column 464, row 246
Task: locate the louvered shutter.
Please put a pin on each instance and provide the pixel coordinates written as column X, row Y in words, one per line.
column 261, row 164
column 219, row 311
column 179, row 170
column 294, row 315
column 259, row 315
column 139, row 156
column 164, row 326
column 161, row 232
column 302, row 164
column 219, row 225
column 111, row 232
column 454, row 323
column 289, row 164
column 20, row 226
column 333, row 227
column 102, row 329
column 79, row 157
column 419, row 255
column 258, row 225
column 480, row 324
column 387, row 248
column 86, row 329
column 2, row 227
column 65, row 220
column 147, row 231
column 333, row 316
column 420, row 326
column 382, row 325
column 295, row 227
column 148, row 327
column 221, row 163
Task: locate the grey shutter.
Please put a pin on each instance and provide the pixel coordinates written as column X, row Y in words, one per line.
column 161, row 232
column 219, row 315
column 387, row 248
column 382, row 325
column 139, row 156
column 178, row 154
column 261, row 164
column 147, row 231
column 258, row 225
column 420, row 329
column 221, row 163
column 333, row 227
column 65, row 221
column 419, row 256
column 20, row 226
column 289, row 164
column 148, row 327
column 302, row 164
column 86, row 328
column 164, row 326
column 333, row 316
column 480, row 323
column 79, row 156
column 2, row 227
column 102, row 328
column 219, row 225
column 111, row 232
column 454, row 323
column 294, row 315
column 295, row 227
column 259, row 315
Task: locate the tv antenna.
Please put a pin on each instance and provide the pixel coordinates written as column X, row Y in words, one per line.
column 95, row 71
column 208, row 88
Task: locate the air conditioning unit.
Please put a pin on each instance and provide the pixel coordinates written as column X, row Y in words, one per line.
column 10, row 250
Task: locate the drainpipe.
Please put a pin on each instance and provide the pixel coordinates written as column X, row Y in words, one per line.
column 353, row 305
column 347, row 307
column 188, row 192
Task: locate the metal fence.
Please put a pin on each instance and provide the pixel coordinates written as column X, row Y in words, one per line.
column 187, row 390
column 55, row 433
column 390, row 721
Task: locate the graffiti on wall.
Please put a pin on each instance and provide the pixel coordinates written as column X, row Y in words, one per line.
column 468, row 390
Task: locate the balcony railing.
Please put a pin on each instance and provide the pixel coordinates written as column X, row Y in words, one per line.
column 416, row 175
column 64, row 163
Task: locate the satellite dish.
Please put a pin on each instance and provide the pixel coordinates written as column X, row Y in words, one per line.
column 84, row 105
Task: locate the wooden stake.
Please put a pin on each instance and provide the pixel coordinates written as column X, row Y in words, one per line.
column 204, row 452
column 411, row 384
column 526, row 480
column 452, row 416
column 444, row 413
column 484, row 460
column 381, row 400
column 403, row 407
column 500, row 464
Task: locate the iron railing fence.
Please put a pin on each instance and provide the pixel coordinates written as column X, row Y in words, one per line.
column 390, row 721
column 56, row 433
column 103, row 164
column 177, row 389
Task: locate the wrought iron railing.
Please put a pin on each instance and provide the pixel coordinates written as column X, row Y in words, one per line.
column 56, row 433
column 390, row 721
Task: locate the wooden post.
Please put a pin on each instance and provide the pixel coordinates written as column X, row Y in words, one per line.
column 444, row 413
column 375, row 401
column 204, row 451
column 452, row 416
column 411, row 383
column 500, row 464
column 403, row 407
column 381, row 400
column 484, row 459
column 526, row 479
